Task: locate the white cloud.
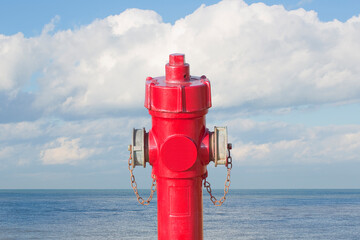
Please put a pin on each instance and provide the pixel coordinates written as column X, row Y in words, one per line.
column 305, row 145
column 50, row 26
column 16, row 154
column 64, row 151
column 256, row 56
column 58, row 141
column 5, row 152
column 17, row 61
column 21, row 130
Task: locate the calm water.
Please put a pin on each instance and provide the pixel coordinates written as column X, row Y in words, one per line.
column 115, row 214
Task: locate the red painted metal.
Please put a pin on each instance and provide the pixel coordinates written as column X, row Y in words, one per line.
column 178, row 144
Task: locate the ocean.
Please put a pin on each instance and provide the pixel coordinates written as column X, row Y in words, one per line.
column 115, row 214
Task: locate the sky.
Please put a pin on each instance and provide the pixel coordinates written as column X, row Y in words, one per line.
column 285, row 81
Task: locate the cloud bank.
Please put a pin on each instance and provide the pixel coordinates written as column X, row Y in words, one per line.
column 256, row 56
column 276, row 143
column 72, row 97
column 64, row 150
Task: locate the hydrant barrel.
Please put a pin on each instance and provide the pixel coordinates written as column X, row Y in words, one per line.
column 179, row 170
column 178, row 147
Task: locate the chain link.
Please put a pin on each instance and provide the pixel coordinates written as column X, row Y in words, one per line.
column 134, row 185
column 226, row 187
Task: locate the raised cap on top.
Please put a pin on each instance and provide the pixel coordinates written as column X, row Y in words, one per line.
column 177, row 70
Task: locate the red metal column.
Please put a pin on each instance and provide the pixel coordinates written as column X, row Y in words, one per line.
column 180, row 212
column 178, row 146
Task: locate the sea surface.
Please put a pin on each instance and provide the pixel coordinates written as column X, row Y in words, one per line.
column 115, row 214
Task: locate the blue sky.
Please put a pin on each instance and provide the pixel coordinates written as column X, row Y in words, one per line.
column 284, row 74
column 30, row 17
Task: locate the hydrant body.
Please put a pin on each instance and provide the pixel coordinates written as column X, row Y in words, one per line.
column 179, row 147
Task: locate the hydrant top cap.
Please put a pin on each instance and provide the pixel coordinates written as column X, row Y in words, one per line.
column 176, row 59
column 177, row 70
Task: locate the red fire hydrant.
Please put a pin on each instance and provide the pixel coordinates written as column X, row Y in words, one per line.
column 179, row 147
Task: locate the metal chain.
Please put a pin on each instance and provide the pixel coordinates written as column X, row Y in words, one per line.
column 134, row 185
column 226, row 187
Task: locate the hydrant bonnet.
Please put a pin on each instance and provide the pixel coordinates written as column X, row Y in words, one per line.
column 178, row 91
